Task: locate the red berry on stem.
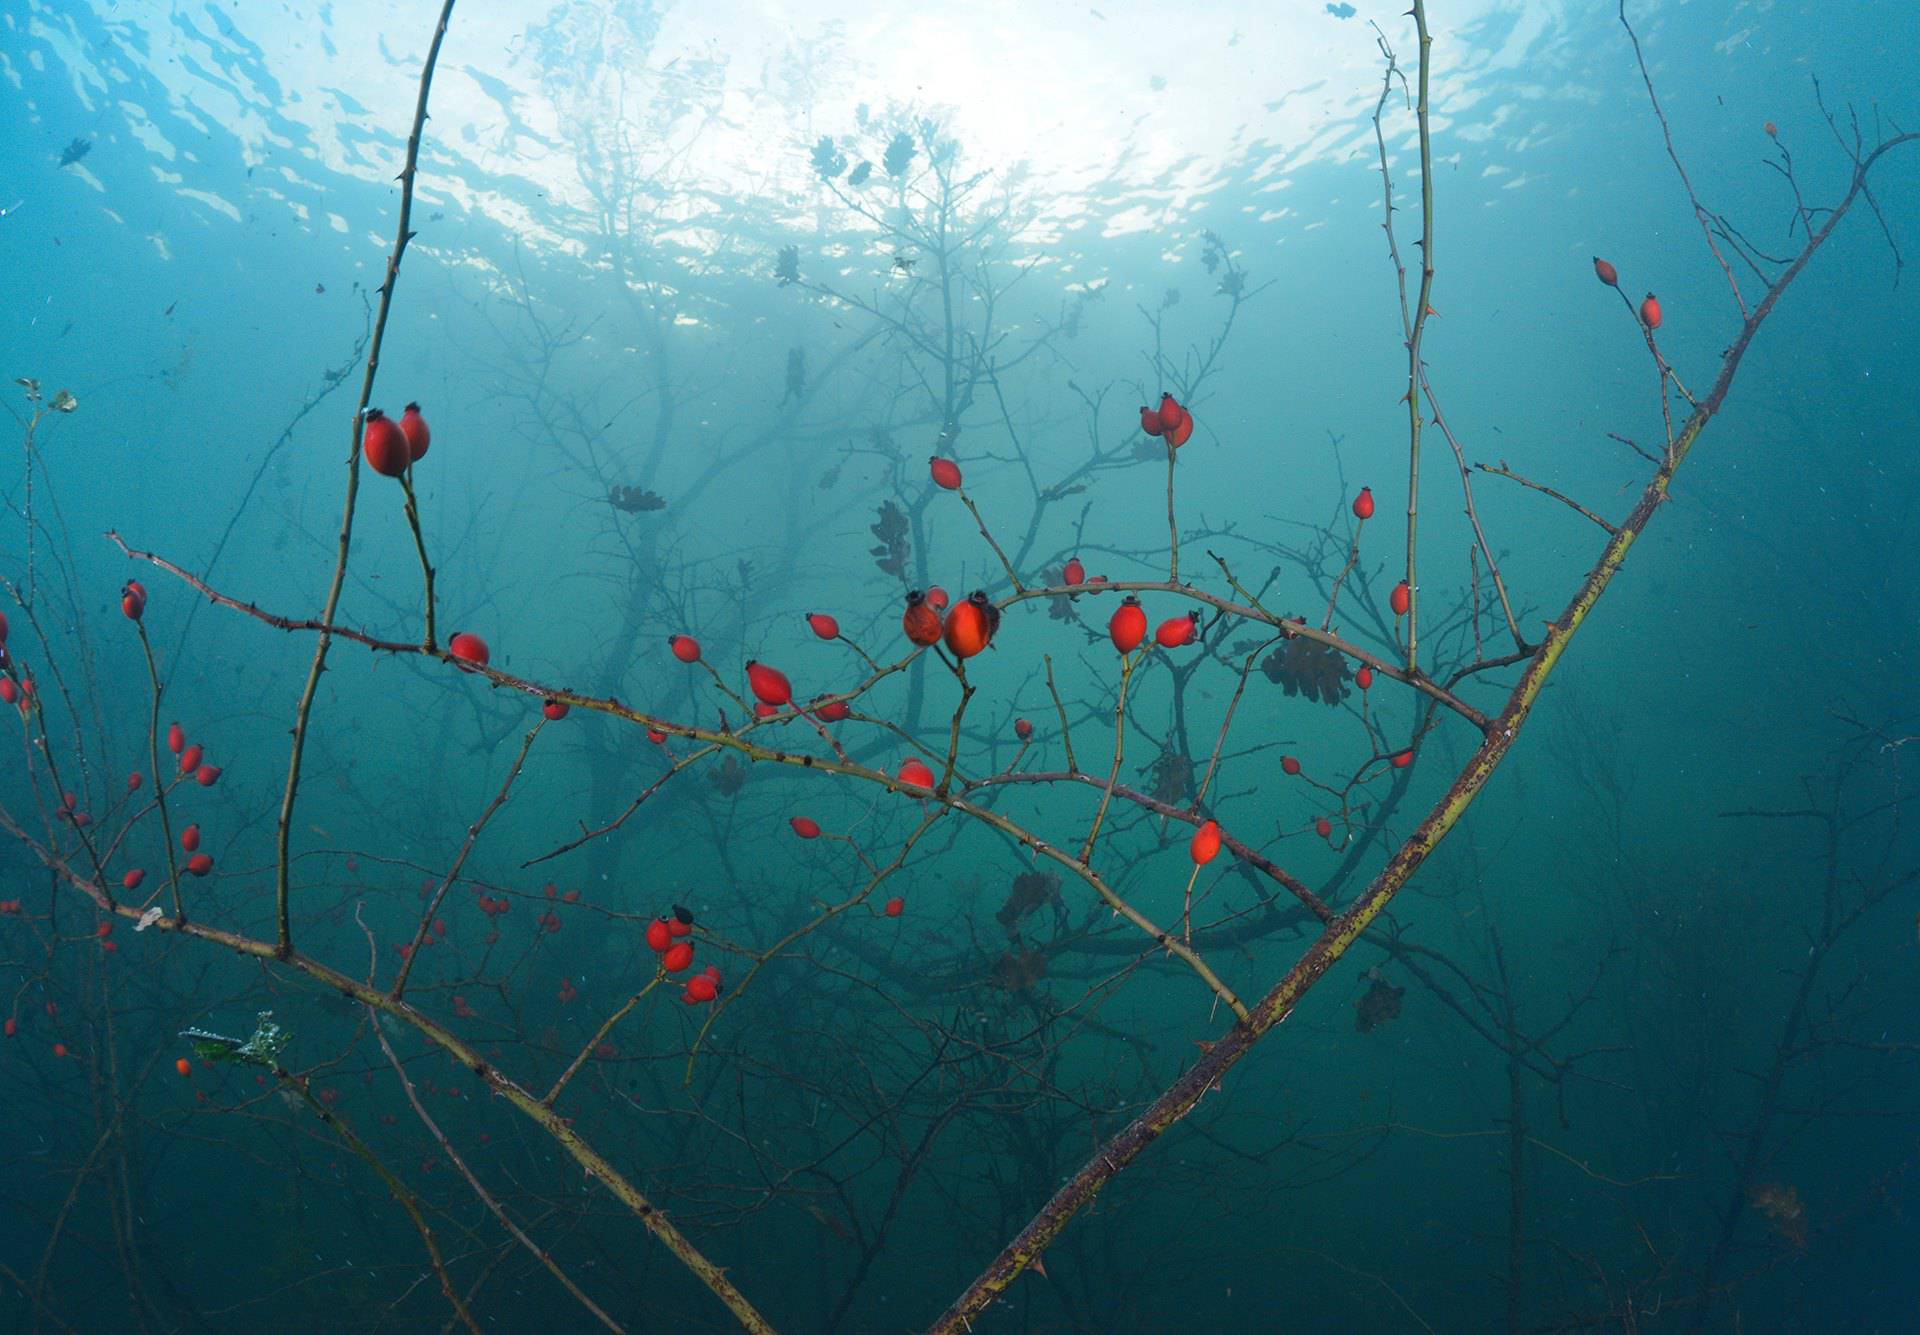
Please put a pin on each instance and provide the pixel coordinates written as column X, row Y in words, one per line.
column 1205, row 844
column 1177, row 631
column 921, row 620
column 684, row 647
column 1170, row 413
column 1363, row 504
column 1023, row 729
column 1289, row 765
column 915, row 774
column 1128, row 625
column 554, row 709
column 1401, row 599
column 969, row 627
column 468, row 648
column 658, row 937
column 805, row 826
column 1363, row 677
column 895, row 907
column 1650, row 311
column 1605, row 272
column 1183, row 432
column 823, row 625
column 769, row 685
column 414, row 427
column 945, row 472
column 386, row 448
column 678, row 957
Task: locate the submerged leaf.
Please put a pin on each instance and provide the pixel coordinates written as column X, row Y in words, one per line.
column 634, row 500
column 899, row 154
column 892, row 528
column 263, row 1049
column 1307, row 667
column 828, row 161
column 1379, row 1004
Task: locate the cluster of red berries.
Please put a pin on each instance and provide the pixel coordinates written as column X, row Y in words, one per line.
column 668, row 938
column 191, row 758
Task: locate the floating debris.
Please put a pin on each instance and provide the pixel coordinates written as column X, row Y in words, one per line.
column 828, row 161
column 728, row 777
column 634, row 500
column 1032, row 891
column 1309, row 668
column 1019, row 970
column 1781, row 1205
column 899, row 154
column 891, row 529
column 1378, row 1004
column 1172, row 778
column 796, row 374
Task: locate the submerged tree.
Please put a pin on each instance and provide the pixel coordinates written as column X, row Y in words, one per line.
column 815, row 1073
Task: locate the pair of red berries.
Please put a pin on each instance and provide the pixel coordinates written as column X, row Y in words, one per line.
column 1170, row 421
column 968, row 629
column 1127, row 628
column 392, row 447
column 1650, row 313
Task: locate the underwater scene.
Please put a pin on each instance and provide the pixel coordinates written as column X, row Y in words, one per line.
column 981, row 667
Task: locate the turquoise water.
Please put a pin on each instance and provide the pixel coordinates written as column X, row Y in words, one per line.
column 691, row 295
